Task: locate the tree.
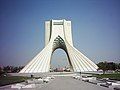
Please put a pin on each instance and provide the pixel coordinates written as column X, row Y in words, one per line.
column 108, row 66
column 103, row 66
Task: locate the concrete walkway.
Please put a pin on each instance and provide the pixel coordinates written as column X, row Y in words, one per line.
column 62, row 83
column 68, row 83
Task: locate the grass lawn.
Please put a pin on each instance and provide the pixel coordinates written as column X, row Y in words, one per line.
column 114, row 76
column 11, row 79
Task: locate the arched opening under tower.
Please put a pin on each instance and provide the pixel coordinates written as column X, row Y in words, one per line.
column 59, row 61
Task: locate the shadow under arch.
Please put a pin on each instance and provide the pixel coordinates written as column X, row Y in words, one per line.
column 62, row 60
column 59, row 44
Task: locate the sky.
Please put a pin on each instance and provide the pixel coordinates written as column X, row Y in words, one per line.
column 95, row 29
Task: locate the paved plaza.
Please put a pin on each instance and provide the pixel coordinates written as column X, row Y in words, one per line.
column 68, row 83
column 64, row 83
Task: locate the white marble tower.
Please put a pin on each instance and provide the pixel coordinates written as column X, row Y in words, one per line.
column 58, row 34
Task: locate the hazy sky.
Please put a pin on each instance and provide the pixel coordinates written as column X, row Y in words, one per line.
column 95, row 27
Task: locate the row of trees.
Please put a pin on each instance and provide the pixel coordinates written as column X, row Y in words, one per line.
column 105, row 66
column 10, row 69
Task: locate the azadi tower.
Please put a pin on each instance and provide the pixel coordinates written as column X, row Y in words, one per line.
column 58, row 34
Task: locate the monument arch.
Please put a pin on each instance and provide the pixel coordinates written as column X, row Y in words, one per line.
column 58, row 34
